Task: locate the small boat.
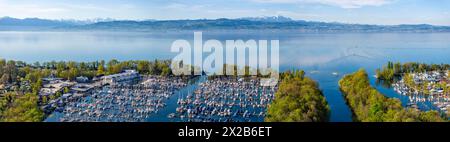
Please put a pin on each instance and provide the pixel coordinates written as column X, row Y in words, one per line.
column 172, row 115
column 314, row 72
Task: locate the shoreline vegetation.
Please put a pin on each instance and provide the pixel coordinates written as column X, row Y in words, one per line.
column 422, row 78
column 369, row 105
column 298, row 99
column 393, row 70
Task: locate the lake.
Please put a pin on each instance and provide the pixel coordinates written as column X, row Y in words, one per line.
column 321, row 55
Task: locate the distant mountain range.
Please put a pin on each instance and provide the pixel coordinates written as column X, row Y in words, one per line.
column 276, row 23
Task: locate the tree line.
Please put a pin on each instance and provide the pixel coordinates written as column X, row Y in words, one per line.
column 392, row 70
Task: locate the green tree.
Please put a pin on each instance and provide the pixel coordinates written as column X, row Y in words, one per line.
column 23, row 108
column 113, row 66
column 36, row 87
column 101, row 68
column 298, row 99
column 44, row 99
column 66, row 90
column 143, row 67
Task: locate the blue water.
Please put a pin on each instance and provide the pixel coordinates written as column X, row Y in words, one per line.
column 318, row 54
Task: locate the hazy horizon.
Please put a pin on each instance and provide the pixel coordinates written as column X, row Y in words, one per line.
column 375, row 12
column 102, row 19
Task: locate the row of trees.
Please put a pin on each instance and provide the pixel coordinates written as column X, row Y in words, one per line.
column 298, row 99
column 393, row 70
column 369, row 105
column 70, row 70
column 247, row 71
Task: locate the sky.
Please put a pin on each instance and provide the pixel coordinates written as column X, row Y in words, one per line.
column 384, row 12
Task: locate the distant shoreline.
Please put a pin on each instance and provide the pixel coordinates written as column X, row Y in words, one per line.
column 223, row 24
column 234, row 31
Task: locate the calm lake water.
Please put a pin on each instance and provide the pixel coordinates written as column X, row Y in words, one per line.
column 320, row 55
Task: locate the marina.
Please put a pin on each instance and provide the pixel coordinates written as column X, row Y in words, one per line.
column 425, row 88
column 225, row 99
column 122, row 102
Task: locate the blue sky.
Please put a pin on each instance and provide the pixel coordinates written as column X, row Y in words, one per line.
column 389, row 12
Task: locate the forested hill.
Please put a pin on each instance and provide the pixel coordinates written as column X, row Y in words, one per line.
column 267, row 23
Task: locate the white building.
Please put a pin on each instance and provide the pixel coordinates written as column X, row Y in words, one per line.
column 128, row 75
column 82, row 79
column 54, row 87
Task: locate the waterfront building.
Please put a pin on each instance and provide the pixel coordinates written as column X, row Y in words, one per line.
column 54, row 86
column 128, row 75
